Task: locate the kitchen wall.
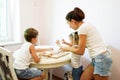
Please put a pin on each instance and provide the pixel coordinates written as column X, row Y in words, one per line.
column 48, row 17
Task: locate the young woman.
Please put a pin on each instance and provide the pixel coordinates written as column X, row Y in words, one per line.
column 89, row 37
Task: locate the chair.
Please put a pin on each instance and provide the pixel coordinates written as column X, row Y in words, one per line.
column 6, row 65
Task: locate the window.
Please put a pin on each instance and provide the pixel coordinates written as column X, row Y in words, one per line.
column 9, row 21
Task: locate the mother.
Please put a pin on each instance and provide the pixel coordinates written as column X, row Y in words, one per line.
column 99, row 68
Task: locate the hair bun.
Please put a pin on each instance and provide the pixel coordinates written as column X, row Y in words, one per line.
column 76, row 9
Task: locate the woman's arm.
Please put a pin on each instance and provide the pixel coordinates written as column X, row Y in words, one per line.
column 81, row 47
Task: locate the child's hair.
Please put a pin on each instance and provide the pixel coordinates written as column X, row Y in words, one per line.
column 71, row 36
column 30, row 33
column 74, row 38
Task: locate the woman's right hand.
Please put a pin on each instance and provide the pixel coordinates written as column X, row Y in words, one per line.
column 64, row 48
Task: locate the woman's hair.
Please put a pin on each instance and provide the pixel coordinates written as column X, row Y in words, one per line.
column 76, row 14
column 30, row 33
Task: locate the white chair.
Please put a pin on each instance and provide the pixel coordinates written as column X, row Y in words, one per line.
column 7, row 71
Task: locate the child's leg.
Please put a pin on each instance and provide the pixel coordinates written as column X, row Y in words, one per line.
column 33, row 74
column 41, row 77
column 76, row 73
column 37, row 78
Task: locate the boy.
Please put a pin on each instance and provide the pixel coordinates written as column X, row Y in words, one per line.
column 25, row 54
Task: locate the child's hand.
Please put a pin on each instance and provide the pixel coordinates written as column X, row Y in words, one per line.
column 41, row 54
column 48, row 53
column 63, row 41
column 49, row 49
column 58, row 42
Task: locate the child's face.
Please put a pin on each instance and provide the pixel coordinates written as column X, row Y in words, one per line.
column 34, row 40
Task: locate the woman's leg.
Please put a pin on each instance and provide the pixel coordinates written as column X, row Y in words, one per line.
column 102, row 66
column 88, row 73
column 97, row 77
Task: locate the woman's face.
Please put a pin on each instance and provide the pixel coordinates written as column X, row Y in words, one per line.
column 73, row 24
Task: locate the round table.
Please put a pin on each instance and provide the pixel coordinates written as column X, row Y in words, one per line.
column 49, row 63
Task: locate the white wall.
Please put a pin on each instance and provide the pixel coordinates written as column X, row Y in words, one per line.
column 104, row 14
column 38, row 14
column 48, row 17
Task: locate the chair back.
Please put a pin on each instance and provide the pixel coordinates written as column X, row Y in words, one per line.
column 7, row 71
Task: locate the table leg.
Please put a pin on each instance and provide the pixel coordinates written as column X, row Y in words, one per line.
column 51, row 74
column 46, row 72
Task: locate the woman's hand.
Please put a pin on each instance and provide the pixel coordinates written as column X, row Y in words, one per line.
column 65, row 48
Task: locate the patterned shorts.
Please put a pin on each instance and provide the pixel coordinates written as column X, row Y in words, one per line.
column 102, row 64
column 28, row 73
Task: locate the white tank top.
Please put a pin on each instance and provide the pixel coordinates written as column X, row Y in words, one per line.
column 75, row 60
column 22, row 57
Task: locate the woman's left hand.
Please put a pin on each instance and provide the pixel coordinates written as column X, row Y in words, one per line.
column 64, row 48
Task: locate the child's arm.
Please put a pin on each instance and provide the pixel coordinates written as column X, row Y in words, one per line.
column 33, row 53
column 43, row 49
column 58, row 43
column 64, row 42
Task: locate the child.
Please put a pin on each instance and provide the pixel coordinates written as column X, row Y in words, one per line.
column 74, row 38
column 25, row 54
column 75, row 60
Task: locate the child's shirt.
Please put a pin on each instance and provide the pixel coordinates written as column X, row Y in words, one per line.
column 75, row 60
column 22, row 57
